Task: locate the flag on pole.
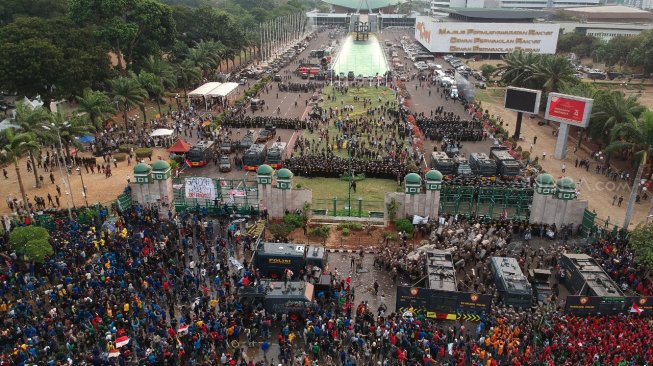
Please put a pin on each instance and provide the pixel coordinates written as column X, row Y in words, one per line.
column 121, row 341
column 182, row 329
column 114, row 353
column 636, row 309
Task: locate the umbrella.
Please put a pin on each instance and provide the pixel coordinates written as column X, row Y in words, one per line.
column 86, row 139
column 161, row 132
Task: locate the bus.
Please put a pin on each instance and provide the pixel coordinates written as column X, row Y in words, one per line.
column 254, row 156
column 200, row 154
column 276, row 155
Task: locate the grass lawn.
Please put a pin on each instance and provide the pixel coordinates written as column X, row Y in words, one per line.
column 370, row 189
column 372, row 93
column 492, row 95
column 341, row 100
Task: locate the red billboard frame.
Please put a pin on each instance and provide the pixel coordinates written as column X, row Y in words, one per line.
column 569, row 109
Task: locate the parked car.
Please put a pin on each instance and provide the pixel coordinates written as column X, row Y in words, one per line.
column 226, row 147
column 225, row 164
column 265, row 136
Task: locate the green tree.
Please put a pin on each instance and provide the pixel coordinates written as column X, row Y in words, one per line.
column 161, row 68
column 30, row 119
column 32, row 242
column 15, row 146
column 11, row 9
column 642, row 55
column 488, row 70
column 127, row 92
column 153, row 85
column 635, row 136
column 97, row 106
column 518, row 70
column 552, row 72
column 53, row 58
column 209, row 24
column 580, row 44
column 207, row 56
column 641, row 242
column 611, row 109
column 135, row 29
column 617, row 51
column 69, row 129
column 187, row 75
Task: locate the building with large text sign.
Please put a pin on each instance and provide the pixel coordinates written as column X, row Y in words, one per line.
column 475, row 38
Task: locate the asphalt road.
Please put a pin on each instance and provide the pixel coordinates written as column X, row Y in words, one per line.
column 294, row 105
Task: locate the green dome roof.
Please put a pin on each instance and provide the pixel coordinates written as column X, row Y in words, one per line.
column 433, row 175
column 284, row 173
column 160, row 166
column 142, row 168
column 265, row 169
column 566, row 183
column 545, row 179
column 412, row 178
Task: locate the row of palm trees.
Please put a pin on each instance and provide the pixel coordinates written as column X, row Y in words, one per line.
column 156, row 75
column 548, row 73
column 36, row 127
column 618, row 122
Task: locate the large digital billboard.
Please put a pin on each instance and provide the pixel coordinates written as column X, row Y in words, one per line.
column 475, row 38
column 522, row 100
column 569, row 109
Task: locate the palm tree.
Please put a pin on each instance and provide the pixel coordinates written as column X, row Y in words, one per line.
column 30, row 119
column 153, row 85
column 635, row 136
column 517, row 69
column 15, row 146
column 127, row 92
column 187, row 75
column 612, row 109
column 69, row 129
column 552, row 72
column 97, row 106
column 207, row 55
column 163, row 69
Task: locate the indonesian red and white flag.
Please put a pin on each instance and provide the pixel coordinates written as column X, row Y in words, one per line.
column 183, row 329
column 636, row 309
column 114, row 353
column 121, row 341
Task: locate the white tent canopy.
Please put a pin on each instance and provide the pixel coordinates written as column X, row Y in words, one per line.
column 161, row 132
column 223, row 90
column 204, row 89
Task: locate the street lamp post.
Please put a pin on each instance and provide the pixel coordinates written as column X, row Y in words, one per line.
column 81, row 176
column 67, row 187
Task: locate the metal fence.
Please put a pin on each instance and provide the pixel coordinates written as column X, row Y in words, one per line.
column 594, row 228
column 232, row 196
column 342, row 207
column 486, row 202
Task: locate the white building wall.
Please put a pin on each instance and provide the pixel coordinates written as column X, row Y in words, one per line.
column 543, row 4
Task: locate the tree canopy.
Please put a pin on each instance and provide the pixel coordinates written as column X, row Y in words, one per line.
column 51, row 57
column 31, row 242
column 641, row 242
column 134, row 29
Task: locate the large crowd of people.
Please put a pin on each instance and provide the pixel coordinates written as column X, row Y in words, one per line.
column 146, row 290
column 450, row 127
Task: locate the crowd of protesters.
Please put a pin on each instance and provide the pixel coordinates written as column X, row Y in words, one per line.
column 300, row 87
column 148, row 290
column 451, row 127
